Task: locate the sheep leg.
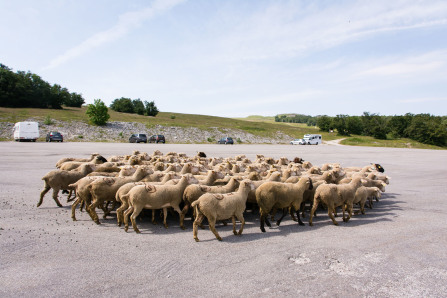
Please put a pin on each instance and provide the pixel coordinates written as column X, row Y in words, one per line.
column 69, row 198
column 154, row 221
column 126, row 218
column 120, row 212
column 42, row 193
column 133, row 218
column 55, row 193
column 93, row 213
column 241, row 218
column 284, row 213
column 182, row 215
column 312, row 211
column 233, row 219
column 331, row 215
column 110, row 210
column 300, row 222
column 212, row 224
column 165, row 215
column 263, row 219
column 197, row 222
column 73, row 208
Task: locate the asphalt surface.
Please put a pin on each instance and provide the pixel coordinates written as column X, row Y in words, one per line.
column 398, row 249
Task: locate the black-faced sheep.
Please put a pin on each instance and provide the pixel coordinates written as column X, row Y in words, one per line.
column 281, row 195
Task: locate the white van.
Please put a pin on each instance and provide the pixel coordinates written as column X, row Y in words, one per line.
column 26, row 131
column 312, row 139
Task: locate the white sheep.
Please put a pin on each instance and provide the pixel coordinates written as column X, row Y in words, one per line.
column 364, row 193
column 333, row 196
column 60, row 179
column 220, row 207
column 194, row 191
column 155, row 197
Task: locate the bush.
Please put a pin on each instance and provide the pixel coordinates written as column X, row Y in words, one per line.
column 48, row 120
column 98, row 113
column 173, row 117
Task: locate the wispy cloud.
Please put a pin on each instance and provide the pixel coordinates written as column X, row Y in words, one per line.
column 423, row 100
column 294, row 29
column 126, row 22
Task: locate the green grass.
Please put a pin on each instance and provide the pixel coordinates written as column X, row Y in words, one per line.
column 393, row 143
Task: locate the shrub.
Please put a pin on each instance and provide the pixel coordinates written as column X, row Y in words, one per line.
column 98, row 112
column 48, row 120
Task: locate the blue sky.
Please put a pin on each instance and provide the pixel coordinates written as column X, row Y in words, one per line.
column 237, row 58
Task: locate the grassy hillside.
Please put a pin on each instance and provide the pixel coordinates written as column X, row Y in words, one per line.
column 256, row 125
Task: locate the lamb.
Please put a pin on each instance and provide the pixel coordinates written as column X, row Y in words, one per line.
column 220, row 207
column 334, row 195
column 104, row 189
column 193, row 192
column 155, row 197
column 281, row 195
column 60, row 179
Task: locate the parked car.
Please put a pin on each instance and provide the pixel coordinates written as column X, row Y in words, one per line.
column 298, row 142
column 226, row 140
column 157, row 139
column 54, row 136
column 138, row 138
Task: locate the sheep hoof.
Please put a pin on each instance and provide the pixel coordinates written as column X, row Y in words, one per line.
column 74, row 218
column 301, row 224
column 97, row 222
column 183, row 227
column 38, row 204
column 311, row 224
column 220, row 239
column 137, row 231
column 166, row 226
column 125, row 229
column 235, row 233
column 197, row 239
column 262, row 230
column 59, row 205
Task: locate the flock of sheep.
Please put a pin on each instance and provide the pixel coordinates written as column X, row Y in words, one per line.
column 215, row 188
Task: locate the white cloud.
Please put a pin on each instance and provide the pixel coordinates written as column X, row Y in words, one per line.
column 126, row 23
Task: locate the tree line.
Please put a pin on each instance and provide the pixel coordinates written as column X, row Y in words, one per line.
column 424, row 128
column 28, row 90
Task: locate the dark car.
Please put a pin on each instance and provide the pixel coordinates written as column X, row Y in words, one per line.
column 157, row 139
column 138, row 138
column 54, row 136
column 226, row 140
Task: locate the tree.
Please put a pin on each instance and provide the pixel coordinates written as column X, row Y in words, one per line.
column 354, row 125
column 150, row 109
column 123, row 105
column 324, row 123
column 138, row 106
column 98, row 112
column 75, row 100
column 340, row 124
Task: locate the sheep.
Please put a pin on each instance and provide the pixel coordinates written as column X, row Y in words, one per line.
column 220, row 207
column 65, row 159
column 364, row 193
column 104, row 189
column 126, row 188
column 281, row 195
column 376, row 183
column 211, row 177
column 194, row 191
column 334, row 195
column 71, row 165
column 60, row 179
column 154, row 197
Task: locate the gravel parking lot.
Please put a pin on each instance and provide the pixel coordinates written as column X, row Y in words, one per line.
column 396, row 249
